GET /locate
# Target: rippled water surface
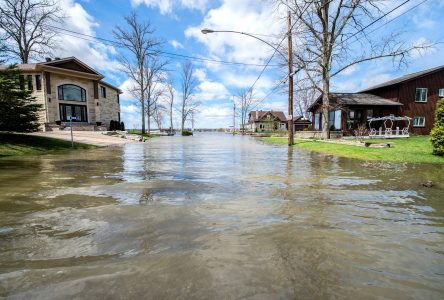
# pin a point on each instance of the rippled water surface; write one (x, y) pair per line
(216, 216)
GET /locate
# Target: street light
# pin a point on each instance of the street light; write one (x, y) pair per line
(289, 60)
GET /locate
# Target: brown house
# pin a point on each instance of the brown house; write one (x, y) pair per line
(414, 95)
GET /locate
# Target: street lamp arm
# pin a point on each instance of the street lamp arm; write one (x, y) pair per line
(206, 30)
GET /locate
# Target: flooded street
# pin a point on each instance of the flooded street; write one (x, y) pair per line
(218, 217)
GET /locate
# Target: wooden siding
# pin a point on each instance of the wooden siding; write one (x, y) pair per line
(405, 93)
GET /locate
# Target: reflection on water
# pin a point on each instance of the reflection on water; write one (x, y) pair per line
(216, 216)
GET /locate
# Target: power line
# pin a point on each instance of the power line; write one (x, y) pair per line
(162, 53)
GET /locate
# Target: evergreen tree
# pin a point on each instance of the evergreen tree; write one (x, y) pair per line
(437, 135)
(18, 109)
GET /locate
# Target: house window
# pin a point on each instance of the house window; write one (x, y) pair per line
(317, 121)
(22, 82)
(421, 95)
(70, 92)
(441, 93)
(118, 99)
(38, 82)
(102, 92)
(338, 119)
(418, 121)
(69, 110)
(29, 83)
(354, 119)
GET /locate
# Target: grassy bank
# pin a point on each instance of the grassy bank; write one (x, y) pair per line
(20, 144)
(145, 135)
(412, 150)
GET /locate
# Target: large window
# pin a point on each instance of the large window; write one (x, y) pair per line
(441, 93)
(77, 111)
(418, 121)
(29, 83)
(421, 95)
(70, 92)
(317, 121)
(354, 119)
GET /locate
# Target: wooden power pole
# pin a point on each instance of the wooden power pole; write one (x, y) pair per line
(290, 83)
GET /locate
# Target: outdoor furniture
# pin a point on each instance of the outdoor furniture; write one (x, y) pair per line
(387, 131)
(377, 145)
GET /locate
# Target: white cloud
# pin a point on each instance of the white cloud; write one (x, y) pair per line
(94, 53)
(176, 44)
(247, 16)
(167, 6)
(128, 108)
(209, 90)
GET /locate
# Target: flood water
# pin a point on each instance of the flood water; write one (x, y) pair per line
(218, 217)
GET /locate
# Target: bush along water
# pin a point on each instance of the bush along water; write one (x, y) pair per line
(437, 135)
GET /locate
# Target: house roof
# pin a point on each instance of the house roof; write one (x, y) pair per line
(355, 99)
(404, 78)
(257, 115)
(70, 64)
(300, 119)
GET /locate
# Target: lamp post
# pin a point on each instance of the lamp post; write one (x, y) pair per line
(288, 59)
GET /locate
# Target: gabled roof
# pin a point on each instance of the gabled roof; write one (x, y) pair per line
(356, 99)
(404, 78)
(258, 115)
(71, 63)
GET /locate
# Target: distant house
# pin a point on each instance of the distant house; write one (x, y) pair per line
(70, 88)
(414, 95)
(263, 121)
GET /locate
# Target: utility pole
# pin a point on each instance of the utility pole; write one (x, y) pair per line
(290, 82)
(234, 117)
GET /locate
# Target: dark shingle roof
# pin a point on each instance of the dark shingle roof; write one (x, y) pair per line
(354, 99)
(257, 115)
(403, 79)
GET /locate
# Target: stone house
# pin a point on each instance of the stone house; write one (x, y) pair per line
(70, 88)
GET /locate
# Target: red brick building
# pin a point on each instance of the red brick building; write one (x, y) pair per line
(414, 95)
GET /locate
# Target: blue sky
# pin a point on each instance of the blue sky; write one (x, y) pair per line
(178, 23)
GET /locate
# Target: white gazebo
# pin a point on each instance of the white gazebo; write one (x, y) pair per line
(386, 130)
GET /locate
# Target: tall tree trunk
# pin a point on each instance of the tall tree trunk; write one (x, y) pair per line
(171, 118)
(143, 113)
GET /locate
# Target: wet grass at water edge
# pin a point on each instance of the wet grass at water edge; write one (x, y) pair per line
(20, 144)
(145, 135)
(417, 149)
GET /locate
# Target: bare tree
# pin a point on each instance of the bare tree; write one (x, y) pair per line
(169, 99)
(159, 112)
(189, 84)
(244, 103)
(137, 39)
(26, 26)
(155, 78)
(327, 33)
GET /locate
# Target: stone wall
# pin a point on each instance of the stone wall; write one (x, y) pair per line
(316, 134)
(109, 107)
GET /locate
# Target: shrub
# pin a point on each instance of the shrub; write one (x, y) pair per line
(437, 134)
(187, 133)
(122, 126)
(112, 125)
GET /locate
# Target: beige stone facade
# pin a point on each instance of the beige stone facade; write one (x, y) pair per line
(100, 100)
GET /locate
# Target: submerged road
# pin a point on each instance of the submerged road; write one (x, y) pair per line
(218, 217)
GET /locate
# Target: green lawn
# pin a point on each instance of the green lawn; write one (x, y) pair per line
(20, 144)
(413, 150)
(145, 135)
